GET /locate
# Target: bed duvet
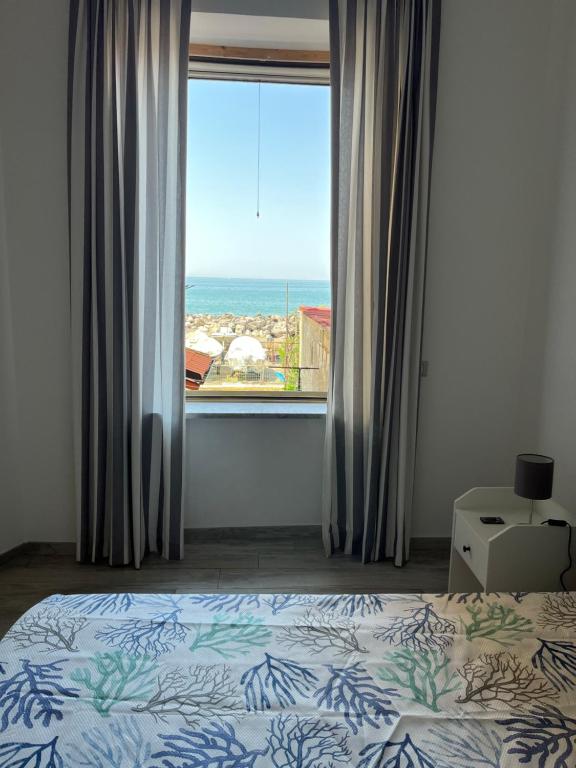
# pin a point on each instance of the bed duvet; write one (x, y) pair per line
(291, 681)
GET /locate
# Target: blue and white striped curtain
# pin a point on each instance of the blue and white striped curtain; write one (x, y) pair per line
(384, 56)
(127, 86)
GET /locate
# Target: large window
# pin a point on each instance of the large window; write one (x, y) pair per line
(257, 250)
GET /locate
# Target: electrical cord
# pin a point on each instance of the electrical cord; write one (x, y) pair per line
(563, 524)
(569, 566)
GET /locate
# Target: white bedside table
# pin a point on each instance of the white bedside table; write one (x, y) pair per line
(514, 557)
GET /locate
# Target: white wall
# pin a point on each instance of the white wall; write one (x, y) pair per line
(299, 9)
(494, 190)
(11, 526)
(557, 424)
(492, 216)
(36, 500)
(253, 471)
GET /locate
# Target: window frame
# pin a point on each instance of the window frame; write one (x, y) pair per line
(264, 66)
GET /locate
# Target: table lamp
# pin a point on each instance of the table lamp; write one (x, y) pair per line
(533, 480)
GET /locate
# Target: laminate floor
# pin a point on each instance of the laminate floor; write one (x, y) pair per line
(219, 560)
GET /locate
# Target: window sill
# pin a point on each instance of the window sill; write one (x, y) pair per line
(292, 410)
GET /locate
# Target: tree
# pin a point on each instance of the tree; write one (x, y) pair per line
(119, 745)
(47, 627)
(480, 597)
(21, 754)
(354, 605)
(305, 742)
(501, 679)
(89, 604)
(420, 629)
(559, 611)
(34, 694)
(556, 660)
(496, 622)
(463, 743)
(115, 677)
(146, 637)
(279, 603)
(323, 630)
(227, 603)
(395, 754)
(215, 746)
(195, 692)
(518, 596)
(276, 680)
(229, 639)
(543, 738)
(426, 674)
(461, 598)
(352, 691)
(289, 357)
(153, 636)
(164, 608)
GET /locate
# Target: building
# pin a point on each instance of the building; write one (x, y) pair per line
(314, 356)
(198, 365)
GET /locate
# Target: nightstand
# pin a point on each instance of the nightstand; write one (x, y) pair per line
(513, 557)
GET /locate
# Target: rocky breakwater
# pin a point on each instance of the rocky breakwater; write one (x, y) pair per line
(263, 327)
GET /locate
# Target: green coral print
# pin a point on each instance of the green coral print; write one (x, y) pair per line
(114, 677)
(231, 638)
(495, 622)
(425, 673)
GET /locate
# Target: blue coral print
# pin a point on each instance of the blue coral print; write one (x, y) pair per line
(291, 681)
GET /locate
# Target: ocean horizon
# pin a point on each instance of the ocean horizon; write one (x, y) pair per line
(249, 296)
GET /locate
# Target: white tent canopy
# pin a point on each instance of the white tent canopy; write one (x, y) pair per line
(244, 350)
(201, 342)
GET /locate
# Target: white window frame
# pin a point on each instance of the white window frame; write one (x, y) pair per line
(246, 71)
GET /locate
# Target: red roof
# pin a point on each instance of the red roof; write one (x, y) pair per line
(320, 315)
(197, 366)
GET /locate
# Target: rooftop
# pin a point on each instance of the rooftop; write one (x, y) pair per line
(320, 315)
(197, 366)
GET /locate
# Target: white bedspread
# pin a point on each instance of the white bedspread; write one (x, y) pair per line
(291, 681)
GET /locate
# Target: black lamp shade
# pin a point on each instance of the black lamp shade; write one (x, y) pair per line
(534, 475)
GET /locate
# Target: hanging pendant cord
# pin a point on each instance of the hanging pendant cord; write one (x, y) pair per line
(258, 156)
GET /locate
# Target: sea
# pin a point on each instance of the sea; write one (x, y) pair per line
(244, 296)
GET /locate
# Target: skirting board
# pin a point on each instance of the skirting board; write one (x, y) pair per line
(434, 544)
(40, 548)
(440, 545)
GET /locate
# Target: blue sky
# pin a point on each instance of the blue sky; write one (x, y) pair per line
(224, 237)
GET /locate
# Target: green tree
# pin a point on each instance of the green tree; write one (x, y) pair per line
(425, 673)
(289, 358)
(495, 622)
(113, 677)
(231, 638)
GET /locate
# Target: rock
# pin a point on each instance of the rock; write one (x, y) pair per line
(278, 329)
(265, 327)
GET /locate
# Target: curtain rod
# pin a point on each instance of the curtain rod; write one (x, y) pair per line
(284, 55)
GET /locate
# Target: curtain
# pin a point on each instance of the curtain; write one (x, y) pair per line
(384, 57)
(127, 85)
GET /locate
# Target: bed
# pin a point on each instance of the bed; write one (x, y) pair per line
(291, 681)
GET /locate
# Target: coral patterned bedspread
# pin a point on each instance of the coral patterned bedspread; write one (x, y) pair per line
(291, 681)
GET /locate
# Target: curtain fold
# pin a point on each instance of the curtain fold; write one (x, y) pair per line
(384, 60)
(127, 86)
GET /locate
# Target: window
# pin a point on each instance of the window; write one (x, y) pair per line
(257, 250)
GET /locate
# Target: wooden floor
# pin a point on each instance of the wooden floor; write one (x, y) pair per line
(219, 560)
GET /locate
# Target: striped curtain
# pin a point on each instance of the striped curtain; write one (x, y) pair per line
(127, 85)
(384, 72)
